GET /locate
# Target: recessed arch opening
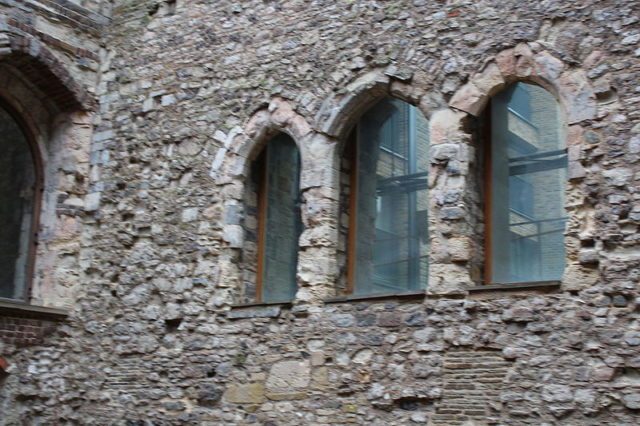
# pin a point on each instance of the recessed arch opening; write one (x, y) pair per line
(383, 238)
(272, 221)
(525, 172)
(21, 184)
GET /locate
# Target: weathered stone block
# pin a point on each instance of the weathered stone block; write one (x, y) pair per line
(287, 377)
(251, 393)
(254, 312)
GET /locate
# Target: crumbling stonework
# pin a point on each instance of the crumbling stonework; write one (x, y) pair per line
(167, 103)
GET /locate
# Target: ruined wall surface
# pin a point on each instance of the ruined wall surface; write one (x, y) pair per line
(50, 53)
(189, 91)
(49, 68)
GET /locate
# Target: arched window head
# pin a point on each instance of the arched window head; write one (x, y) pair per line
(388, 236)
(527, 168)
(277, 174)
(19, 192)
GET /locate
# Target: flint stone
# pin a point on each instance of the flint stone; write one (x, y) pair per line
(557, 393)
(343, 320)
(209, 395)
(632, 401)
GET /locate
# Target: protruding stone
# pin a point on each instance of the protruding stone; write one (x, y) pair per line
(579, 98)
(470, 99)
(490, 80)
(632, 401)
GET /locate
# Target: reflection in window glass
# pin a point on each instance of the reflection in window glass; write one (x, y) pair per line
(391, 226)
(528, 173)
(281, 216)
(17, 192)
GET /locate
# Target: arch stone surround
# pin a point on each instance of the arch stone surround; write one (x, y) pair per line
(577, 98)
(188, 93)
(40, 66)
(63, 139)
(455, 210)
(231, 169)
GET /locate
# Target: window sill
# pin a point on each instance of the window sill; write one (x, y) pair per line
(257, 310)
(414, 295)
(536, 287)
(21, 309)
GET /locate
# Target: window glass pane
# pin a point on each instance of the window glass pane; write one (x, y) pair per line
(17, 186)
(528, 169)
(283, 224)
(391, 230)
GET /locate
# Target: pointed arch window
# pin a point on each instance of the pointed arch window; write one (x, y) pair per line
(526, 165)
(20, 177)
(388, 236)
(277, 171)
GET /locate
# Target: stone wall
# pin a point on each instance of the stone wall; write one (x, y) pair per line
(49, 63)
(188, 94)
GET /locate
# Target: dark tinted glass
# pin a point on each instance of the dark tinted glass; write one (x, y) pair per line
(17, 187)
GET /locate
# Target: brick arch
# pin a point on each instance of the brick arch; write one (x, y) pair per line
(43, 70)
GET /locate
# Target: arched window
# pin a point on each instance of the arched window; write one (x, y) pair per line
(388, 235)
(19, 195)
(527, 167)
(277, 177)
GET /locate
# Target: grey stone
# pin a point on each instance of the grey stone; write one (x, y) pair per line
(632, 401)
(343, 320)
(452, 213)
(416, 319)
(254, 312)
(209, 395)
(620, 301)
(557, 393)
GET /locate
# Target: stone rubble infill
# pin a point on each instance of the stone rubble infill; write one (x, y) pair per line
(149, 124)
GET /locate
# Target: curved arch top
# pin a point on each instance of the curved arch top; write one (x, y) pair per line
(338, 113)
(571, 87)
(42, 69)
(242, 146)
